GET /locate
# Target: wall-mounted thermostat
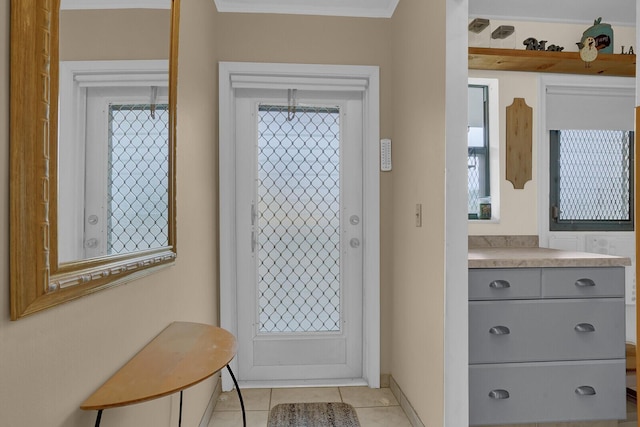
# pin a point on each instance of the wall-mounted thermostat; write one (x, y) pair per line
(385, 155)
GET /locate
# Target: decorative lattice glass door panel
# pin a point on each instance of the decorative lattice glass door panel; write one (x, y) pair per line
(125, 193)
(300, 296)
(138, 187)
(299, 220)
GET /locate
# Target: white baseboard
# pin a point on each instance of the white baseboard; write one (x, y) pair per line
(208, 413)
(414, 419)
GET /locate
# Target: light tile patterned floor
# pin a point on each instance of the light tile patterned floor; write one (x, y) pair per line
(375, 407)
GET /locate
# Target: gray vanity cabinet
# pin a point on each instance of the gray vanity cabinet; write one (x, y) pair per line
(546, 344)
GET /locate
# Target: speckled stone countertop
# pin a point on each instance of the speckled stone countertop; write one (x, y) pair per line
(510, 252)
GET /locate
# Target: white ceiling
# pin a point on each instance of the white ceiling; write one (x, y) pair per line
(617, 12)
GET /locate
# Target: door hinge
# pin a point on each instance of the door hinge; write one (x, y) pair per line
(253, 241)
(555, 213)
(253, 214)
(253, 225)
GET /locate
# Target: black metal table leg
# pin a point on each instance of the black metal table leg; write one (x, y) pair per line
(244, 416)
(180, 414)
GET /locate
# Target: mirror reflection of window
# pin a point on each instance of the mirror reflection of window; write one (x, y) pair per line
(73, 50)
(94, 195)
(137, 188)
(113, 196)
(136, 216)
(126, 182)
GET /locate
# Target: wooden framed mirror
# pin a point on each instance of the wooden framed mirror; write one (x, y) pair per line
(42, 274)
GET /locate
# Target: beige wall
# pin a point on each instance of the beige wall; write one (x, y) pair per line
(518, 208)
(412, 113)
(352, 41)
(419, 170)
(114, 34)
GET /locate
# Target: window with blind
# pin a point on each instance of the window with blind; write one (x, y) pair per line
(591, 176)
(589, 122)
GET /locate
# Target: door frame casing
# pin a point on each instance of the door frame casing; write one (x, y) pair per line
(322, 77)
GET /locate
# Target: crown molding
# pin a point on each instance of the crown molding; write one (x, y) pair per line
(352, 8)
(114, 4)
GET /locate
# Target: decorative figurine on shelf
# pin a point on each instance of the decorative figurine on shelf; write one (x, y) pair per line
(602, 34)
(555, 48)
(533, 44)
(588, 51)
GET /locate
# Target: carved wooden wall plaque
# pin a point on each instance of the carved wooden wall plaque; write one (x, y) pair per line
(519, 143)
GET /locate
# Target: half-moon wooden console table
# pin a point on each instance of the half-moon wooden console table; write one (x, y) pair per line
(182, 355)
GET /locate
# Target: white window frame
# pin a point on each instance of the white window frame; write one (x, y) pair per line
(494, 146)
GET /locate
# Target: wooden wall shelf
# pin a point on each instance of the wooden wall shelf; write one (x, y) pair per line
(550, 62)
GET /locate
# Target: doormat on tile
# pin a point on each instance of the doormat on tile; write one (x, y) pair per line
(332, 414)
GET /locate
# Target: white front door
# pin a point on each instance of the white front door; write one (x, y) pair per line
(345, 347)
(299, 234)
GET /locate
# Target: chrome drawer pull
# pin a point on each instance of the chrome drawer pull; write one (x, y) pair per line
(499, 330)
(585, 390)
(499, 394)
(585, 283)
(499, 284)
(584, 327)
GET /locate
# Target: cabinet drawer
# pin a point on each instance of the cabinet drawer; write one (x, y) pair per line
(504, 283)
(546, 330)
(583, 282)
(547, 392)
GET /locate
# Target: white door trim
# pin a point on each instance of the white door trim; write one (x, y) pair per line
(318, 76)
